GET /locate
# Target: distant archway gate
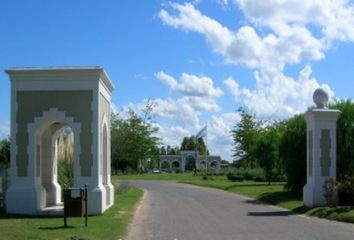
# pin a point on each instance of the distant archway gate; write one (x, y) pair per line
(44, 101)
(213, 162)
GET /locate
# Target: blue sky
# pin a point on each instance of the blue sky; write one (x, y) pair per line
(198, 60)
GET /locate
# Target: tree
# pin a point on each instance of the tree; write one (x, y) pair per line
(267, 150)
(5, 153)
(162, 151)
(244, 136)
(292, 151)
(188, 143)
(345, 138)
(133, 140)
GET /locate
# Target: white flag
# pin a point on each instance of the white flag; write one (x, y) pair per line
(202, 133)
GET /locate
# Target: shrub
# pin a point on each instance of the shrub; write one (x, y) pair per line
(346, 191)
(330, 188)
(234, 177)
(250, 173)
(259, 179)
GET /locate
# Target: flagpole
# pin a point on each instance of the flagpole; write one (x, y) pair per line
(206, 146)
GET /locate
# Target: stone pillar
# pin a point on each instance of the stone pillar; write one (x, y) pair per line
(321, 149)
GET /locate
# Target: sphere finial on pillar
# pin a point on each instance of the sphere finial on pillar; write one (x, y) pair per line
(320, 97)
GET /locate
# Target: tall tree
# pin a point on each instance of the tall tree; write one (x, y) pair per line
(189, 143)
(293, 152)
(4, 153)
(134, 140)
(244, 136)
(267, 146)
(345, 138)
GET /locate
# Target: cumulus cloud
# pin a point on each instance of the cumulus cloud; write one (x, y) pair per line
(334, 18)
(190, 85)
(5, 129)
(291, 44)
(219, 138)
(277, 33)
(279, 96)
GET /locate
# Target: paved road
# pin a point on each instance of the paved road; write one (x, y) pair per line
(172, 211)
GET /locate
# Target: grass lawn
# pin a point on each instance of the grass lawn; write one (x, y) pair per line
(343, 214)
(111, 225)
(272, 194)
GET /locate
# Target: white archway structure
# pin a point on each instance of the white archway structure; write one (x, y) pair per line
(44, 101)
(182, 158)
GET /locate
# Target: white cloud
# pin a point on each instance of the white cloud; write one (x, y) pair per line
(172, 135)
(291, 44)
(5, 129)
(219, 138)
(223, 3)
(334, 18)
(190, 85)
(279, 96)
(288, 37)
(190, 19)
(114, 108)
(233, 87)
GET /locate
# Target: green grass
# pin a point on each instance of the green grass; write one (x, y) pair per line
(343, 214)
(274, 193)
(111, 225)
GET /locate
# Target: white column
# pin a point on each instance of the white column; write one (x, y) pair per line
(321, 150)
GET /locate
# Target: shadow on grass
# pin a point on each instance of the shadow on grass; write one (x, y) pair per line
(59, 227)
(277, 198)
(240, 185)
(20, 216)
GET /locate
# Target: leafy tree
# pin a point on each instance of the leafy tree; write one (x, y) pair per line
(4, 153)
(293, 152)
(345, 138)
(267, 150)
(189, 143)
(162, 151)
(133, 141)
(244, 136)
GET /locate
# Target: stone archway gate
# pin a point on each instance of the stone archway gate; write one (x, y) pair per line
(43, 101)
(213, 162)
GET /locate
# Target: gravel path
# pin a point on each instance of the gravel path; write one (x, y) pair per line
(173, 211)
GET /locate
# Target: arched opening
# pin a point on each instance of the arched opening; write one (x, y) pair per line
(55, 159)
(165, 166)
(176, 167)
(202, 166)
(190, 163)
(213, 165)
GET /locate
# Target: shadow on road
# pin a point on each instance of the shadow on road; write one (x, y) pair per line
(271, 214)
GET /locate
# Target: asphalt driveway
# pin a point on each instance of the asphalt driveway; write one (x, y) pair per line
(173, 211)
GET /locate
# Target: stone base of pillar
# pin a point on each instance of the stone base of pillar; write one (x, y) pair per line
(314, 196)
(109, 194)
(25, 199)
